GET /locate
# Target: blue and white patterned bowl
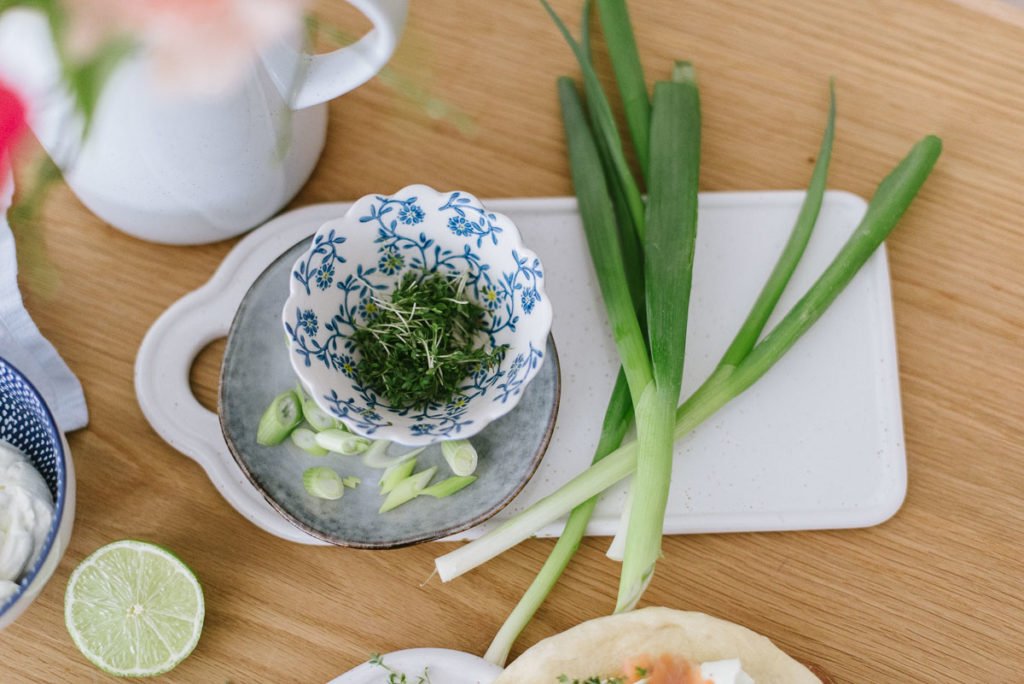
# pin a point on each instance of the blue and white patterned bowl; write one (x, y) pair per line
(27, 424)
(364, 254)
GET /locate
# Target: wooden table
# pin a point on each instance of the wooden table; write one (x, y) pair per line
(935, 594)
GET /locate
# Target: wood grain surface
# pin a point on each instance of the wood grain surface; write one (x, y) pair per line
(933, 595)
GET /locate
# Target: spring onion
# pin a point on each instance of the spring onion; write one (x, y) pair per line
(305, 439)
(629, 75)
(282, 416)
(460, 455)
(892, 198)
(446, 488)
(408, 489)
(341, 442)
(668, 267)
(319, 419)
(377, 455)
(323, 483)
(606, 133)
(617, 419)
(395, 474)
(776, 283)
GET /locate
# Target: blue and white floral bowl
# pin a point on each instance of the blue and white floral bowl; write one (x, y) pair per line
(363, 255)
(27, 424)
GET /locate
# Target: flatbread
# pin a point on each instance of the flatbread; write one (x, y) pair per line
(599, 648)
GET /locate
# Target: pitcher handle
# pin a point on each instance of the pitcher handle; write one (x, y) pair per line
(335, 73)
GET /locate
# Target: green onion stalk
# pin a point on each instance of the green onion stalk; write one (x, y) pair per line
(629, 75)
(890, 201)
(668, 268)
(777, 281)
(625, 61)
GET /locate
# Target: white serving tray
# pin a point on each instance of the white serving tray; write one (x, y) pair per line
(817, 443)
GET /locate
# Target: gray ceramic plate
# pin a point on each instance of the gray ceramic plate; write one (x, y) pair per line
(256, 369)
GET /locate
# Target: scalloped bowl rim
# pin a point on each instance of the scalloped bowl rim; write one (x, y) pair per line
(481, 414)
(53, 532)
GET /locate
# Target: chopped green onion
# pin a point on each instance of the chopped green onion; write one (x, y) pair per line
(378, 449)
(461, 456)
(323, 483)
(316, 416)
(446, 488)
(408, 489)
(282, 416)
(341, 442)
(377, 455)
(395, 474)
(351, 481)
(305, 439)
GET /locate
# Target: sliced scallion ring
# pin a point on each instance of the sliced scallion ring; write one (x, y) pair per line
(341, 442)
(461, 456)
(323, 483)
(395, 474)
(316, 416)
(377, 455)
(408, 489)
(446, 488)
(305, 439)
(282, 416)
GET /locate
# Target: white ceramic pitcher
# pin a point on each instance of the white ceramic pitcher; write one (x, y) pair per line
(195, 170)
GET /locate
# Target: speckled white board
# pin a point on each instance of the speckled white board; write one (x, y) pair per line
(817, 443)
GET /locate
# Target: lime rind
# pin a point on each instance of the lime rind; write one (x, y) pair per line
(134, 609)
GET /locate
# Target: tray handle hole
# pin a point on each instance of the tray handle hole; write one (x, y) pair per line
(204, 376)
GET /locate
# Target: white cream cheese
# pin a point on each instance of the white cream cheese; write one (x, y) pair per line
(725, 672)
(722, 672)
(26, 510)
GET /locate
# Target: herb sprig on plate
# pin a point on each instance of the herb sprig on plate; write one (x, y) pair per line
(424, 341)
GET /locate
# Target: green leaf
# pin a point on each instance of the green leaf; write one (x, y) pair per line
(671, 226)
(891, 200)
(607, 134)
(599, 225)
(629, 75)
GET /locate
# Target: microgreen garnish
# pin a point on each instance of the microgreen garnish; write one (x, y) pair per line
(423, 342)
(396, 677)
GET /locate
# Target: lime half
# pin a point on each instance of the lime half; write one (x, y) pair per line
(134, 609)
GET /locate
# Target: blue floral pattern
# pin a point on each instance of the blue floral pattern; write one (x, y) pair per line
(319, 262)
(450, 233)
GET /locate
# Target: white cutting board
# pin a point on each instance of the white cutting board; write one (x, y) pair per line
(816, 443)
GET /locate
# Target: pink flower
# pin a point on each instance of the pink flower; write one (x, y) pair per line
(194, 46)
(12, 127)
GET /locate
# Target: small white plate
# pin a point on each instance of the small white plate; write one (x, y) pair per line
(817, 443)
(445, 667)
